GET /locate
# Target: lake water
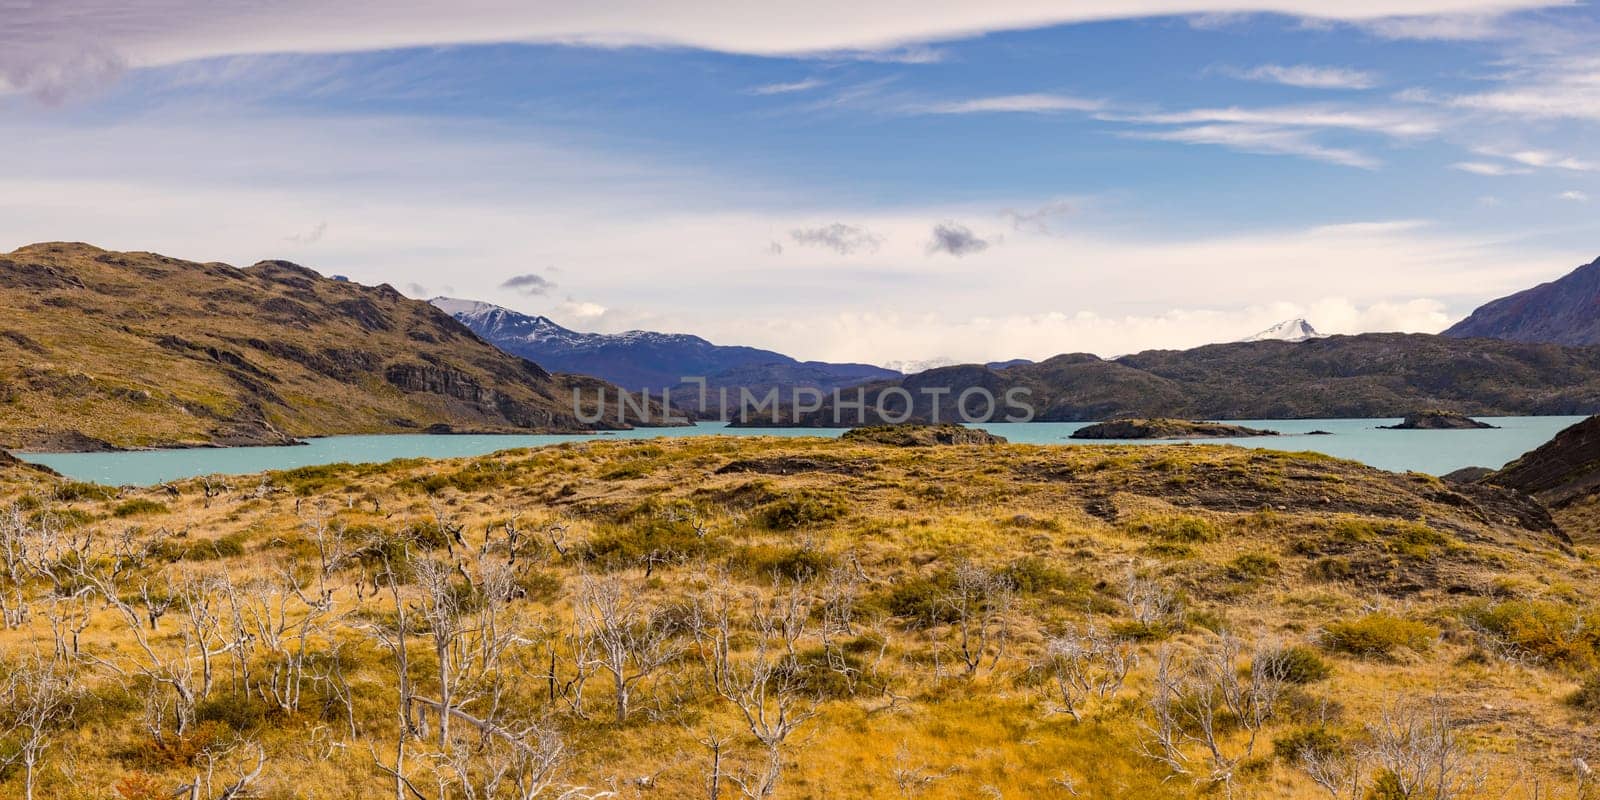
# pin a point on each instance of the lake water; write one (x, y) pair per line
(1435, 452)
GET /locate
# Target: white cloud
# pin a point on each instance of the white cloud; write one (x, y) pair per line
(1011, 103)
(47, 46)
(1309, 77)
(616, 226)
(787, 88)
(1487, 168)
(1574, 195)
(1262, 139)
(1397, 123)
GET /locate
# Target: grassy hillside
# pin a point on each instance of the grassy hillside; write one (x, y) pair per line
(135, 349)
(797, 618)
(1371, 375)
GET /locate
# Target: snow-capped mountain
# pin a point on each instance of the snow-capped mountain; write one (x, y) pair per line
(1292, 330)
(638, 360)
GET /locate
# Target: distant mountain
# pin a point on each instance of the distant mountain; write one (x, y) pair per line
(1293, 330)
(639, 360)
(101, 349)
(1564, 311)
(1371, 375)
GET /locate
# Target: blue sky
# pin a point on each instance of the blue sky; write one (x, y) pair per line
(832, 182)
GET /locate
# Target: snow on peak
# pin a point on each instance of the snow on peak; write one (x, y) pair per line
(1292, 330)
(456, 307)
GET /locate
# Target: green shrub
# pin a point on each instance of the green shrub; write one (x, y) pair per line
(1181, 528)
(659, 537)
(793, 563)
(1331, 569)
(1588, 695)
(78, 490)
(239, 711)
(1252, 567)
(1033, 575)
(921, 599)
(1291, 746)
(138, 506)
(1298, 664)
(800, 511)
(1379, 634)
(1548, 632)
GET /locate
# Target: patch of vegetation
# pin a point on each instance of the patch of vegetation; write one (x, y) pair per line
(137, 507)
(183, 549)
(792, 563)
(1252, 567)
(1588, 695)
(74, 491)
(1551, 633)
(1317, 741)
(1179, 528)
(1379, 634)
(801, 510)
(1298, 664)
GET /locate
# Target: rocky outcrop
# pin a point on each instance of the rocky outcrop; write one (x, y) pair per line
(920, 435)
(1560, 471)
(1437, 420)
(1164, 428)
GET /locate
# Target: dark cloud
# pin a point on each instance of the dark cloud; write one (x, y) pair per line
(839, 237)
(957, 240)
(1044, 219)
(530, 284)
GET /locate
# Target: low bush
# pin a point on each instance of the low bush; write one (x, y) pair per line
(1296, 744)
(1298, 664)
(799, 511)
(1378, 634)
(138, 506)
(793, 563)
(1181, 528)
(1588, 695)
(1551, 633)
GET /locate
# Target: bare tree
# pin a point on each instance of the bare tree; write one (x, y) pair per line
(771, 695)
(1414, 745)
(629, 643)
(1086, 663)
(1149, 602)
(979, 601)
(1197, 703)
(35, 698)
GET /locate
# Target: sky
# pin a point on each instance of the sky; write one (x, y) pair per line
(878, 182)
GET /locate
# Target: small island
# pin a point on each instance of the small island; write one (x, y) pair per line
(1162, 428)
(1437, 420)
(920, 435)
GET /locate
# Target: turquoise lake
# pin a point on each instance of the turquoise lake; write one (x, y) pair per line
(1435, 452)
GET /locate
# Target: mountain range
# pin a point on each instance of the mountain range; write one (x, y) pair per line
(645, 360)
(1370, 375)
(1563, 311)
(103, 349)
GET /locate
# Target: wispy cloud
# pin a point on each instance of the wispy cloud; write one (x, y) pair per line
(1398, 123)
(786, 88)
(1264, 140)
(839, 237)
(1307, 77)
(1488, 168)
(1011, 104)
(1574, 195)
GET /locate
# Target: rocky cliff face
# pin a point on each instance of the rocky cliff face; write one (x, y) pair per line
(1560, 471)
(1565, 311)
(99, 349)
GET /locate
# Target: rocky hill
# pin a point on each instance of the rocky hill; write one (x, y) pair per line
(1564, 311)
(1371, 375)
(639, 360)
(102, 349)
(1564, 474)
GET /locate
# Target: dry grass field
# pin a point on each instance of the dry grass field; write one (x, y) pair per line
(796, 618)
